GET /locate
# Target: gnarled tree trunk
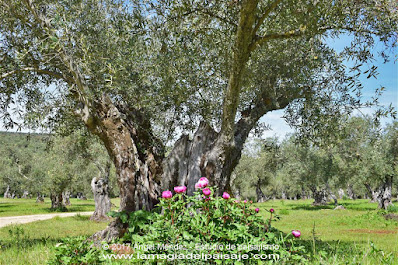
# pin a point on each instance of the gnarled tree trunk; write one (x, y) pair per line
(57, 200)
(320, 196)
(350, 192)
(341, 193)
(260, 194)
(100, 188)
(66, 198)
(372, 193)
(7, 194)
(25, 194)
(384, 193)
(39, 198)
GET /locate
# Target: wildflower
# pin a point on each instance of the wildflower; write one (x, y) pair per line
(271, 210)
(180, 189)
(167, 194)
(257, 210)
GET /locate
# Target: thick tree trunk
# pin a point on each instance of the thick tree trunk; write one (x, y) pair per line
(260, 194)
(372, 193)
(66, 198)
(136, 154)
(331, 194)
(7, 194)
(81, 196)
(341, 193)
(39, 198)
(25, 194)
(350, 192)
(100, 188)
(384, 193)
(57, 201)
(320, 196)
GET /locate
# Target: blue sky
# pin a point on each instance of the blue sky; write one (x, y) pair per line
(387, 77)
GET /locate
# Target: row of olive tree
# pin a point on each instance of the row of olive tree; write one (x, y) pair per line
(53, 166)
(362, 159)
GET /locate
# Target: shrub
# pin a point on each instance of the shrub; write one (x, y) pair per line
(204, 224)
(219, 230)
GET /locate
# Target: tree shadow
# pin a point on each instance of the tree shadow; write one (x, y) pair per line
(313, 207)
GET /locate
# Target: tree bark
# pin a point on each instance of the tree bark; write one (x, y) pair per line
(25, 194)
(384, 193)
(260, 194)
(341, 193)
(57, 201)
(100, 188)
(66, 198)
(372, 193)
(350, 192)
(39, 198)
(7, 194)
(320, 196)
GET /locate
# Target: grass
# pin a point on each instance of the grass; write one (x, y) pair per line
(333, 236)
(32, 243)
(16, 207)
(359, 225)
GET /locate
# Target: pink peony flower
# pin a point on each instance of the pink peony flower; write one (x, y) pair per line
(226, 196)
(296, 233)
(257, 210)
(203, 182)
(271, 210)
(167, 194)
(180, 189)
(206, 191)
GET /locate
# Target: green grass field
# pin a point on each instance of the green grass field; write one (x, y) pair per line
(359, 225)
(16, 207)
(345, 235)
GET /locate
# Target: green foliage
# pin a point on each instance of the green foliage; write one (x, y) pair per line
(364, 153)
(208, 222)
(77, 250)
(46, 163)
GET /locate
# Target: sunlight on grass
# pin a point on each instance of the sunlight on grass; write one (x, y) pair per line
(360, 223)
(32, 243)
(16, 207)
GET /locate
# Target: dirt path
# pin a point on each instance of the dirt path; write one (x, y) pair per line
(4, 221)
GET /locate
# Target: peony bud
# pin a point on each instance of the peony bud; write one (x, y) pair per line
(296, 233)
(180, 189)
(167, 194)
(226, 196)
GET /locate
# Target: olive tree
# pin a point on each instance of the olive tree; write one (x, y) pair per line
(136, 72)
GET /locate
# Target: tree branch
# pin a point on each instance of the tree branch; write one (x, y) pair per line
(263, 104)
(267, 11)
(39, 71)
(303, 31)
(241, 54)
